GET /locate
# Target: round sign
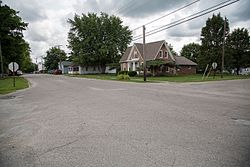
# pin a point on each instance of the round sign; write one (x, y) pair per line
(13, 66)
(214, 65)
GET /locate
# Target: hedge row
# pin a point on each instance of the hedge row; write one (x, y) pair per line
(129, 73)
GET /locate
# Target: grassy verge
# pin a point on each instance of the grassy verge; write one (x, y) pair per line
(112, 77)
(198, 78)
(184, 78)
(6, 84)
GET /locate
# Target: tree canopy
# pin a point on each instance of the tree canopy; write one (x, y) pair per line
(212, 40)
(97, 40)
(14, 47)
(238, 45)
(53, 56)
(191, 51)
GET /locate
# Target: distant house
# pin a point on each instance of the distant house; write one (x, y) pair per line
(64, 66)
(68, 67)
(242, 71)
(159, 58)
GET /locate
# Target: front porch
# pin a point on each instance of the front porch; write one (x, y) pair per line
(133, 64)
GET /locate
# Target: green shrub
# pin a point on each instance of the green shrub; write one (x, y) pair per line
(126, 77)
(120, 77)
(123, 77)
(132, 73)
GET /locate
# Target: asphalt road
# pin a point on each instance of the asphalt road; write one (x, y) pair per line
(62, 121)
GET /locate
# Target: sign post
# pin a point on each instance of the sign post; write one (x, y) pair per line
(13, 66)
(214, 65)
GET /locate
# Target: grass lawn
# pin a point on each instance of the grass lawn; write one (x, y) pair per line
(6, 84)
(184, 78)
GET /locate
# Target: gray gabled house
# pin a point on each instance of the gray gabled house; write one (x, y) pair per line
(159, 51)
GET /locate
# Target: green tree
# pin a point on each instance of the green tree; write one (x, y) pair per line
(191, 51)
(238, 44)
(14, 47)
(212, 40)
(53, 57)
(97, 40)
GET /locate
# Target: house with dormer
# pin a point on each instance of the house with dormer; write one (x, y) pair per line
(159, 60)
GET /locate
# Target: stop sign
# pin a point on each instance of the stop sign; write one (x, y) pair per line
(13, 66)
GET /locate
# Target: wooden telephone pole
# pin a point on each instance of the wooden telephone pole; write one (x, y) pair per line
(144, 55)
(223, 49)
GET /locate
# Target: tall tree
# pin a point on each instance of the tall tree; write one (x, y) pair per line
(97, 40)
(53, 57)
(212, 40)
(238, 43)
(14, 47)
(191, 51)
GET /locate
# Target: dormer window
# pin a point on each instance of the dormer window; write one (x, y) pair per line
(166, 54)
(161, 54)
(135, 54)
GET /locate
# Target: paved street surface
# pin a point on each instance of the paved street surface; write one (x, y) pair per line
(62, 121)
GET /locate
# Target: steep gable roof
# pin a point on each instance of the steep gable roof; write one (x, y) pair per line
(126, 54)
(181, 60)
(151, 50)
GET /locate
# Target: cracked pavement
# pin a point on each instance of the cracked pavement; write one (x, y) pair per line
(63, 121)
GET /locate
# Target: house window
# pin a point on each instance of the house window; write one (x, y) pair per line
(135, 54)
(166, 54)
(167, 69)
(75, 69)
(94, 68)
(160, 54)
(189, 67)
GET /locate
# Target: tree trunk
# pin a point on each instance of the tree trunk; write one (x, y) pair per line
(237, 70)
(102, 69)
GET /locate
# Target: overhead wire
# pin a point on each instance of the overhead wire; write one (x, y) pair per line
(124, 7)
(188, 18)
(168, 14)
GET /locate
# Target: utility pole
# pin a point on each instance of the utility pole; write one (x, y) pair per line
(1, 57)
(35, 64)
(42, 63)
(144, 55)
(223, 49)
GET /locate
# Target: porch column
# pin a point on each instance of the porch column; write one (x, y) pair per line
(80, 70)
(128, 66)
(133, 66)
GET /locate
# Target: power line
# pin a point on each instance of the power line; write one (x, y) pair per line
(124, 7)
(185, 17)
(183, 20)
(136, 6)
(177, 10)
(192, 15)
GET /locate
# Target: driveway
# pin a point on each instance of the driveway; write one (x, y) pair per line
(63, 121)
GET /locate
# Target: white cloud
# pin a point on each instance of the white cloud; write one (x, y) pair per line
(48, 19)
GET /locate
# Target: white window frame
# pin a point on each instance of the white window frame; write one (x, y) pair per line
(135, 54)
(166, 54)
(161, 54)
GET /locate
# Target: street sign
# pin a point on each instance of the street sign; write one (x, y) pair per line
(214, 65)
(13, 66)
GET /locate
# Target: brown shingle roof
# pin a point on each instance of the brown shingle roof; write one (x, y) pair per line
(181, 60)
(126, 54)
(152, 49)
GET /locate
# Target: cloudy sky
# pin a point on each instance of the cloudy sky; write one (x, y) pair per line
(48, 19)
